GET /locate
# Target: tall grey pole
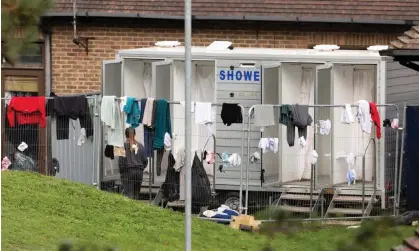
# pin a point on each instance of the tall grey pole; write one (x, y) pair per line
(188, 129)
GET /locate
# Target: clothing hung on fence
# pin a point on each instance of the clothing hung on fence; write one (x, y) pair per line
(66, 108)
(364, 116)
(163, 123)
(386, 123)
(375, 116)
(109, 151)
(263, 116)
(231, 114)
(269, 144)
(148, 113)
(133, 112)
(325, 126)
(347, 117)
(170, 186)
(203, 113)
(234, 160)
(27, 111)
(112, 118)
(295, 116)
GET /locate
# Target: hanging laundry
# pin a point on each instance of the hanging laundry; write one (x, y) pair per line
(159, 159)
(386, 123)
(27, 111)
(122, 103)
(269, 144)
(5, 163)
(375, 116)
(170, 186)
(109, 151)
(364, 116)
(395, 124)
(351, 176)
(295, 116)
(263, 116)
(82, 137)
(235, 160)
(148, 113)
(148, 141)
(315, 156)
(350, 159)
(167, 142)
(255, 157)
(119, 151)
(112, 118)
(66, 108)
(142, 109)
(153, 114)
(325, 126)
(132, 109)
(163, 123)
(303, 142)
(224, 158)
(210, 158)
(203, 113)
(22, 147)
(180, 159)
(231, 114)
(347, 117)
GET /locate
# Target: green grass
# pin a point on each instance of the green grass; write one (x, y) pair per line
(39, 212)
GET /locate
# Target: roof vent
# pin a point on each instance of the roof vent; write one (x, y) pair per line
(377, 47)
(220, 46)
(326, 47)
(167, 44)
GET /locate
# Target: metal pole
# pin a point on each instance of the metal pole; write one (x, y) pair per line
(188, 129)
(401, 154)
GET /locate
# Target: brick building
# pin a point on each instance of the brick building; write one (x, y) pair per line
(114, 25)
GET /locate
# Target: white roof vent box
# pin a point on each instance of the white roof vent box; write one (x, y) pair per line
(167, 44)
(326, 47)
(377, 47)
(220, 46)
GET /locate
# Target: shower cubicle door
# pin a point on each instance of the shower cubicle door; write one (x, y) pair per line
(323, 144)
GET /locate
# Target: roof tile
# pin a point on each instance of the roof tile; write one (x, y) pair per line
(356, 9)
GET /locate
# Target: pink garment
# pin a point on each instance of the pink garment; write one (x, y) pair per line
(210, 159)
(5, 163)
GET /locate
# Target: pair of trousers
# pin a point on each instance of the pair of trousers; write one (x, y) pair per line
(131, 182)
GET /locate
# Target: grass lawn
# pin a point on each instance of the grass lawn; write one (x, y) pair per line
(39, 212)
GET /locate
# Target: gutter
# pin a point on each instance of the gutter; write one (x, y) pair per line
(233, 18)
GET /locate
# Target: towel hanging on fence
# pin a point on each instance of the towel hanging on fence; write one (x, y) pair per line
(364, 116)
(112, 118)
(263, 116)
(132, 109)
(27, 111)
(203, 113)
(347, 117)
(325, 126)
(375, 116)
(231, 114)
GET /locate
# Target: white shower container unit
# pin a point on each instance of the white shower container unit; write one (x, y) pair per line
(251, 76)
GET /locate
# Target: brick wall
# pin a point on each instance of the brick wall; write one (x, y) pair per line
(75, 72)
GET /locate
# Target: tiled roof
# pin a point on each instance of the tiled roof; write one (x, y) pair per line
(409, 40)
(409, 244)
(347, 10)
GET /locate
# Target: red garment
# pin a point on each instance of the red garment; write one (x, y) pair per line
(375, 116)
(27, 110)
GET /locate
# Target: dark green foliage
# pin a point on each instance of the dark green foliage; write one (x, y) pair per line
(20, 24)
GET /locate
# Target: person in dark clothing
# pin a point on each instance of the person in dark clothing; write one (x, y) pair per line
(132, 165)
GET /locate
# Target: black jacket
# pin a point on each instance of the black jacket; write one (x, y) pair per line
(66, 108)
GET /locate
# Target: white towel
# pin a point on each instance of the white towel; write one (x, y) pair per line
(167, 142)
(347, 117)
(203, 113)
(122, 103)
(364, 116)
(112, 118)
(315, 156)
(235, 160)
(263, 116)
(148, 112)
(325, 126)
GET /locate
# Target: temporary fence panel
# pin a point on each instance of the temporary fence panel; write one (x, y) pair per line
(76, 158)
(237, 82)
(60, 145)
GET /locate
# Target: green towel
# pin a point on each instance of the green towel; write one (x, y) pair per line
(163, 123)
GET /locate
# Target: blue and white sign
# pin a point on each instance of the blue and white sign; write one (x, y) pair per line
(239, 75)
